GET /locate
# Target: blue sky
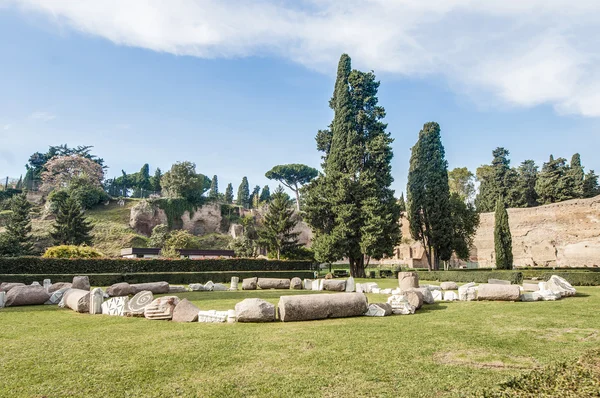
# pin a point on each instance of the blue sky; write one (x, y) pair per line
(239, 88)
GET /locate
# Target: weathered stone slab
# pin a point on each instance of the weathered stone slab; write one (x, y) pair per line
(307, 284)
(47, 283)
(231, 316)
(368, 287)
(315, 284)
(177, 289)
(449, 295)
(219, 287)
(154, 287)
(161, 308)
(408, 280)
(138, 303)
(334, 285)
(81, 283)
(26, 295)
(120, 289)
(6, 286)
(350, 285)
(296, 283)
(96, 300)
(448, 286)
(400, 305)
(273, 283)
(208, 286)
(467, 292)
(59, 286)
(196, 287)
(548, 295)
(379, 309)
(321, 306)
(531, 286)
(77, 299)
(414, 298)
(116, 306)
(185, 311)
(57, 296)
(437, 295)
(532, 296)
(427, 295)
(498, 292)
(254, 310)
(233, 285)
(498, 282)
(212, 316)
(249, 283)
(560, 285)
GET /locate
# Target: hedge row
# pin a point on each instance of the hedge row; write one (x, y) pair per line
(171, 277)
(575, 278)
(38, 265)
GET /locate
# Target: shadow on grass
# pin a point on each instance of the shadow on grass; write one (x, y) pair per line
(431, 307)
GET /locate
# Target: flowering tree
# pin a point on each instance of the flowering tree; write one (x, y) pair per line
(60, 170)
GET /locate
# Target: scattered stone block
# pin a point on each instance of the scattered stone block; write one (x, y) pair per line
(334, 285)
(375, 290)
(116, 306)
(2, 299)
(307, 284)
(6, 286)
(219, 287)
(138, 303)
(273, 283)
(532, 296)
(212, 316)
(249, 284)
(47, 283)
(350, 285)
(432, 287)
(77, 299)
(59, 286)
(185, 311)
(320, 285)
(560, 285)
(531, 286)
(233, 285)
(120, 289)
(400, 305)
(379, 309)
(231, 316)
(154, 287)
(177, 289)
(414, 298)
(196, 287)
(467, 292)
(81, 283)
(254, 310)
(408, 280)
(498, 282)
(26, 295)
(321, 306)
(449, 295)
(96, 300)
(385, 291)
(498, 292)
(427, 295)
(161, 308)
(359, 288)
(208, 286)
(56, 296)
(437, 295)
(368, 287)
(448, 286)
(548, 295)
(296, 284)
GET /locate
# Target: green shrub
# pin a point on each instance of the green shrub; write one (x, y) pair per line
(72, 251)
(171, 277)
(40, 265)
(466, 276)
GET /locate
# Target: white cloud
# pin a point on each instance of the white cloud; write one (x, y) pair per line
(524, 53)
(43, 116)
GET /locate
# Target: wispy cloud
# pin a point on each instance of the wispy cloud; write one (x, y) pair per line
(523, 53)
(7, 126)
(43, 116)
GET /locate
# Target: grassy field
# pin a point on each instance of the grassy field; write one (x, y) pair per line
(444, 350)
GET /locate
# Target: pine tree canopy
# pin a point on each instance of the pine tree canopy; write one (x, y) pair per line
(71, 227)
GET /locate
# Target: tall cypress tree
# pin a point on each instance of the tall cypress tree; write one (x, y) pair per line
(278, 224)
(590, 185)
(243, 194)
(17, 240)
(577, 175)
(71, 227)
(265, 194)
(402, 202)
(229, 194)
(155, 180)
(214, 188)
(428, 196)
(502, 237)
(351, 207)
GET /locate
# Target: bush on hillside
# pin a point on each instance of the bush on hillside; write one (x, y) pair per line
(72, 251)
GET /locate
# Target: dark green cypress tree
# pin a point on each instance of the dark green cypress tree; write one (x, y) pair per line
(265, 194)
(214, 188)
(554, 183)
(71, 226)
(577, 176)
(402, 202)
(28, 181)
(229, 194)
(502, 237)
(155, 181)
(278, 224)
(17, 240)
(590, 185)
(527, 178)
(497, 180)
(428, 196)
(351, 207)
(243, 194)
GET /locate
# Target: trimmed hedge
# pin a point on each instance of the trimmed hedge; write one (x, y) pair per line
(466, 276)
(38, 265)
(171, 277)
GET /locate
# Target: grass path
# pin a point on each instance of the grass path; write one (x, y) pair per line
(443, 350)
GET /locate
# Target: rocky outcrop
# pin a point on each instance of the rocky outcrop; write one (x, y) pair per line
(204, 220)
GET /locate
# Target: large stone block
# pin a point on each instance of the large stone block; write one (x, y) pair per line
(400, 305)
(212, 316)
(26, 295)
(120, 289)
(334, 285)
(161, 308)
(96, 300)
(81, 283)
(350, 285)
(467, 292)
(249, 284)
(414, 298)
(296, 284)
(154, 287)
(233, 285)
(449, 286)
(273, 283)
(77, 299)
(498, 282)
(494, 292)
(139, 302)
(379, 309)
(56, 296)
(307, 284)
(6, 286)
(408, 280)
(185, 311)
(177, 289)
(116, 306)
(254, 310)
(59, 286)
(427, 295)
(560, 285)
(321, 306)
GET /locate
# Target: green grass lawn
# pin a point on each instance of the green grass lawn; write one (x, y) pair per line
(445, 349)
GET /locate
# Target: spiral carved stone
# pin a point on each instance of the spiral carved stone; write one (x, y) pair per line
(138, 303)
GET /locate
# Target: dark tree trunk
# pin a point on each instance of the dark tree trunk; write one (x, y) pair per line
(357, 267)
